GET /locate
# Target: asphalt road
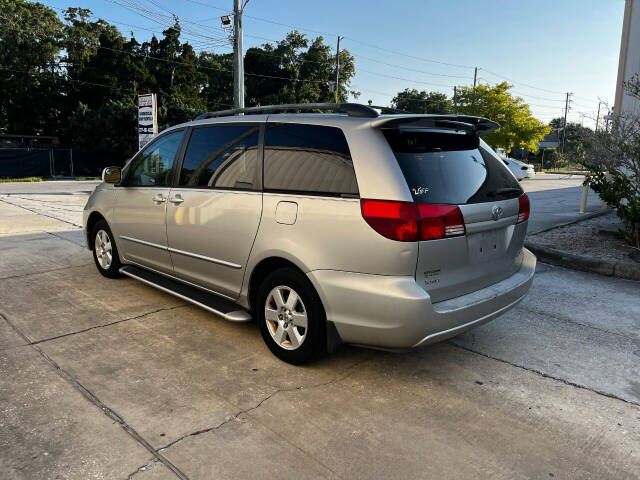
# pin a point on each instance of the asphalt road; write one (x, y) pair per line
(113, 379)
(555, 199)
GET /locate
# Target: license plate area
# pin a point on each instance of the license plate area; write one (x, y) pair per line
(487, 245)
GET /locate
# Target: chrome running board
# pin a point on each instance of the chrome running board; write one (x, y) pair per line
(209, 301)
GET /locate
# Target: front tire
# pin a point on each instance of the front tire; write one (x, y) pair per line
(105, 252)
(291, 317)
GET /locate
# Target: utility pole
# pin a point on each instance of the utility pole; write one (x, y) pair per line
(564, 128)
(475, 78)
(337, 86)
(238, 58)
(600, 102)
(455, 99)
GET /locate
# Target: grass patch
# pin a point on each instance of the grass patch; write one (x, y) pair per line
(23, 179)
(565, 171)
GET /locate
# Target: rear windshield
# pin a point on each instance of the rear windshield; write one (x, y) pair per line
(451, 168)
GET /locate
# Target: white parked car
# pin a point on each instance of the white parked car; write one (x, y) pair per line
(520, 169)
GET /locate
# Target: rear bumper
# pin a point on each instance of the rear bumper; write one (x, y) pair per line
(396, 313)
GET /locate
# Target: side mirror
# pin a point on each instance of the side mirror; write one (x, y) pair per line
(112, 175)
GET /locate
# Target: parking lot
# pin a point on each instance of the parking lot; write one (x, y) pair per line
(114, 379)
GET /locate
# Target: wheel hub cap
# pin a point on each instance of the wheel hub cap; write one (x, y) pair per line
(286, 317)
(103, 249)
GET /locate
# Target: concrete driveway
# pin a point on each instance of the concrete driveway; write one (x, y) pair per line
(112, 379)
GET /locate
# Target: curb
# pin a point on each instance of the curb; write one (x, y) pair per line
(585, 216)
(584, 263)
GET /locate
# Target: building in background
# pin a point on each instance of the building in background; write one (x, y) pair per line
(629, 63)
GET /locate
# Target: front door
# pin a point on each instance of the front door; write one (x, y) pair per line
(141, 204)
(214, 211)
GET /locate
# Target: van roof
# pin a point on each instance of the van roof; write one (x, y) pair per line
(350, 113)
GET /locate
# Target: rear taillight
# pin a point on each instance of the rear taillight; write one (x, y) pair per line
(411, 222)
(523, 208)
(394, 220)
(440, 221)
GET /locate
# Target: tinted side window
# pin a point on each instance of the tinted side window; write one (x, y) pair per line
(153, 166)
(221, 156)
(308, 159)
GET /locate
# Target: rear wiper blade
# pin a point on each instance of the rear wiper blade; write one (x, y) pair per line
(503, 191)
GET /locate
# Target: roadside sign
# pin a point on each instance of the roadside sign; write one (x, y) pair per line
(147, 118)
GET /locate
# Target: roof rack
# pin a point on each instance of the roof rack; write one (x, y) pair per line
(351, 109)
(389, 109)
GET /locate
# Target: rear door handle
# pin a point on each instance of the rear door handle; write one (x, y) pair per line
(159, 198)
(177, 199)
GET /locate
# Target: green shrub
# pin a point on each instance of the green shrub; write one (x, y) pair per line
(617, 190)
(23, 179)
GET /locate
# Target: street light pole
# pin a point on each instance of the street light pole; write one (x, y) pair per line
(238, 58)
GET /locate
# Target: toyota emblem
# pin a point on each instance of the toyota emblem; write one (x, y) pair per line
(496, 212)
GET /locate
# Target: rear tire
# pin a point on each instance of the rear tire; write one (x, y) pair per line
(105, 252)
(291, 317)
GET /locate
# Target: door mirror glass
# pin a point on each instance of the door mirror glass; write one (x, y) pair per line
(112, 175)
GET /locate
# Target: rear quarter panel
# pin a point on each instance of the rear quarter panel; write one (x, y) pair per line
(328, 234)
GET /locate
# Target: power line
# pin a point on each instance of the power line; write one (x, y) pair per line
(199, 41)
(523, 84)
(161, 19)
(517, 82)
(124, 89)
(273, 22)
(222, 69)
(405, 79)
(357, 55)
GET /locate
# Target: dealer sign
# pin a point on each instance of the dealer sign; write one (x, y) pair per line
(147, 118)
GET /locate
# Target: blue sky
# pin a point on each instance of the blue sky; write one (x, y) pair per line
(544, 47)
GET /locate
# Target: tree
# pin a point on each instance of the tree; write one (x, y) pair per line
(295, 70)
(415, 101)
(30, 45)
(115, 123)
(614, 166)
(78, 77)
(518, 127)
(578, 141)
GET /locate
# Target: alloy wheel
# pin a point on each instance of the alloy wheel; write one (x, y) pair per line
(286, 317)
(103, 249)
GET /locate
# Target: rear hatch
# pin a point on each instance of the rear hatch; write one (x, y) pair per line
(450, 166)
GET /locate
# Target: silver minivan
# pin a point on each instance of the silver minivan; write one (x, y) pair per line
(389, 231)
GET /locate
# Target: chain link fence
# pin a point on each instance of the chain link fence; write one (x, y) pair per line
(50, 163)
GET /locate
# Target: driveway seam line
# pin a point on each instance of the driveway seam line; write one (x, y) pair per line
(92, 398)
(255, 407)
(43, 272)
(546, 375)
(142, 315)
(566, 320)
(39, 213)
(63, 238)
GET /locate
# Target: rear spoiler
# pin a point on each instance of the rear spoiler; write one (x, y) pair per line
(465, 123)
